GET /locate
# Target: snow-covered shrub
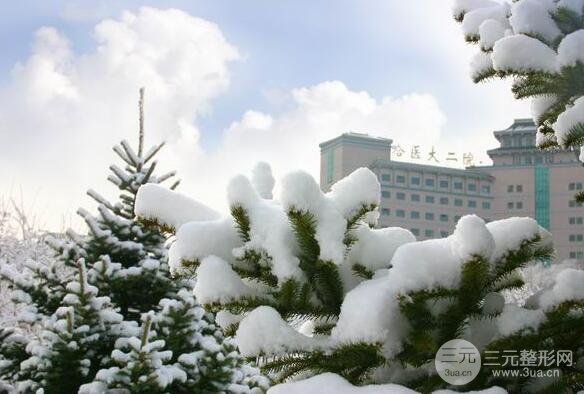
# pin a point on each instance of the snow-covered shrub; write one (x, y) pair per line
(310, 286)
(540, 44)
(23, 251)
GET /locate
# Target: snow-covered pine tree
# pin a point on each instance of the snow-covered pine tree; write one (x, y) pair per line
(142, 366)
(310, 287)
(127, 263)
(200, 349)
(70, 348)
(540, 44)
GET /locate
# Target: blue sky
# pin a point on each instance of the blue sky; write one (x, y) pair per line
(385, 48)
(285, 43)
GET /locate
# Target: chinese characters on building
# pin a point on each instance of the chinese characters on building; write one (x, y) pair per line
(416, 152)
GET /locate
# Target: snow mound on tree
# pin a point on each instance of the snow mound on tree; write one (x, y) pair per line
(532, 17)
(275, 335)
(571, 49)
(522, 53)
(330, 383)
(196, 240)
(269, 228)
(169, 207)
(374, 248)
(263, 180)
(370, 312)
(569, 286)
(568, 119)
(217, 282)
(301, 193)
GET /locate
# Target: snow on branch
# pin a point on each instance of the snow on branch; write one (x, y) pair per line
(169, 208)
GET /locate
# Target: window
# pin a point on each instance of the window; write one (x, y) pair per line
(472, 187)
(429, 233)
(519, 188)
(458, 185)
(579, 220)
(572, 237)
(415, 231)
(430, 199)
(415, 197)
(572, 255)
(575, 204)
(400, 179)
(472, 204)
(384, 211)
(429, 216)
(458, 202)
(519, 205)
(444, 184)
(510, 189)
(486, 189)
(400, 196)
(510, 205)
(579, 237)
(572, 220)
(385, 178)
(444, 234)
(385, 194)
(486, 205)
(415, 215)
(415, 180)
(400, 213)
(579, 186)
(443, 218)
(457, 218)
(429, 182)
(444, 200)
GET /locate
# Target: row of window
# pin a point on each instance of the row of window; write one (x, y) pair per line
(514, 188)
(429, 199)
(577, 255)
(574, 204)
(428, 233)
(430, 182)
(515, 205)
(576, 220)
(517, 141)
(576, 237)
(401, 213)
(575, 186)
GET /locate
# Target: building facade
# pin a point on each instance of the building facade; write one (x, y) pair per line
(429, 200)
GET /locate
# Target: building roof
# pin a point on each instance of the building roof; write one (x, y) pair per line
(519, 126)
(358, 138)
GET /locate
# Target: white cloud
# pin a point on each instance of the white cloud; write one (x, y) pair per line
(290, 140)
(64, 111)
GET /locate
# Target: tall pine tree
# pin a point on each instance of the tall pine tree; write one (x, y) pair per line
(127, 265)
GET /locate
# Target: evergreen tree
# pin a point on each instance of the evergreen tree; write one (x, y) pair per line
(68, 352)
(310, 287)
(537, 43)
(142, 366)
(200, 350)
(127, 263)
